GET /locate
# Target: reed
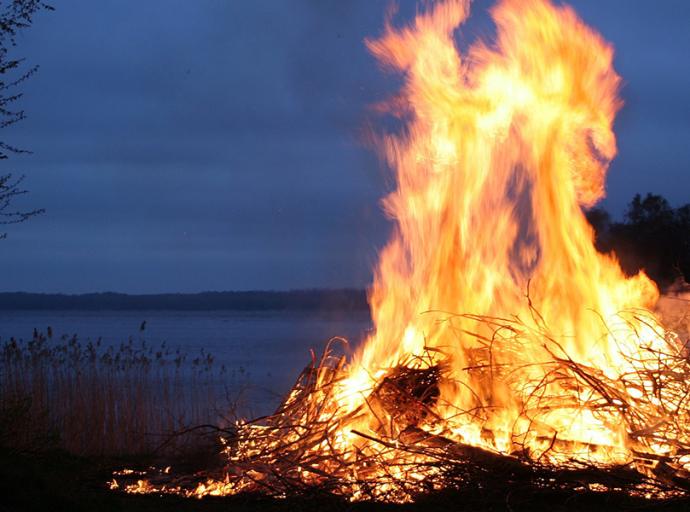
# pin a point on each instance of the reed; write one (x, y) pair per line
(87, 399)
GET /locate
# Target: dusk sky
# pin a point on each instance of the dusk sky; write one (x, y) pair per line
(194, 145)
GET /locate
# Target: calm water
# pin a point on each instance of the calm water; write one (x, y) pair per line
(265, 349)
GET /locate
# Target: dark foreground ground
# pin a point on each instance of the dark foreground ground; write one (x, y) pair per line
(54, 481)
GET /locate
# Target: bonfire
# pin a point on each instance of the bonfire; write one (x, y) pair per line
(506, 350)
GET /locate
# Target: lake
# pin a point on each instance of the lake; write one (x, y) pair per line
(265, 349)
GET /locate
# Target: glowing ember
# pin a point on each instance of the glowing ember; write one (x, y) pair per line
(502, 336)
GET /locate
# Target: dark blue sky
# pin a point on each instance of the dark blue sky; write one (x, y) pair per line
(183, 146)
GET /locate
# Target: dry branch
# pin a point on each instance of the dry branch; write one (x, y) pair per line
(409, 449)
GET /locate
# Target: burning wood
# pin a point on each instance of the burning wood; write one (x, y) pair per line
(413, 450)
(574, 385)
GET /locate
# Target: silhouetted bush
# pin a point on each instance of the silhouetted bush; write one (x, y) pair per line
(653, 237)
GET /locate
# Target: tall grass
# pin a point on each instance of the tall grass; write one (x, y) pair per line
(92, 400)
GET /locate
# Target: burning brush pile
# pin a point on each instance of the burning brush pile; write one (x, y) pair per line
(396, 445)
(508, 353)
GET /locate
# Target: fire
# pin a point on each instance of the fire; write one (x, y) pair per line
(501, 334)
(503, 147)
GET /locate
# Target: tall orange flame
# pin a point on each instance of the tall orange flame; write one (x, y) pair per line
(502, 148)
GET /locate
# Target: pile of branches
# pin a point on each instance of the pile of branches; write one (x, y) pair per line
(408, 451)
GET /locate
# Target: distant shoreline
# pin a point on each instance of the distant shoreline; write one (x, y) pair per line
(346, 299)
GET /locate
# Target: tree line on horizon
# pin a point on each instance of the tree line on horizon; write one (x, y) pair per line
(339, 299)
(653, 236)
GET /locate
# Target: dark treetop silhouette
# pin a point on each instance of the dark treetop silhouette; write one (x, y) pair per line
(16, 16)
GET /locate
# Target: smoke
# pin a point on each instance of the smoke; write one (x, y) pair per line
(673, 309)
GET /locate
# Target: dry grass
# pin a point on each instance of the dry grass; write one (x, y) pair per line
(92, 400)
